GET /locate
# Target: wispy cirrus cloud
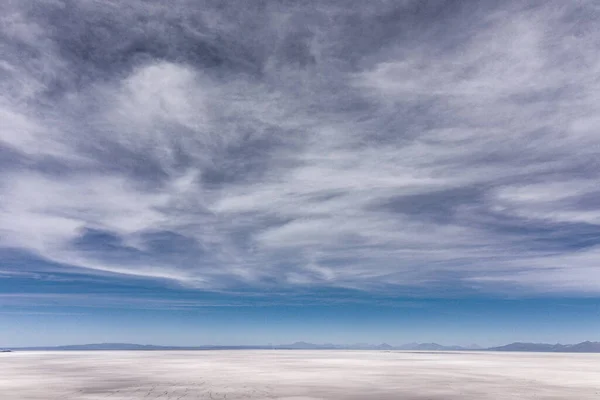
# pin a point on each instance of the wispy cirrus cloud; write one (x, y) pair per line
(282, 145)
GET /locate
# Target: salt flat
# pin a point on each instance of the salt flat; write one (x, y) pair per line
(297, 375)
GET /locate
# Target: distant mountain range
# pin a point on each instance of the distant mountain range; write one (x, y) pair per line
(132, 346)
(382, 346)
(584, 347)
(292, 346)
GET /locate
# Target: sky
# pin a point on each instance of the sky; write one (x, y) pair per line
(209, 172)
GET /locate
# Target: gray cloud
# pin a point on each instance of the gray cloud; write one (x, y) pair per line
(387, 144)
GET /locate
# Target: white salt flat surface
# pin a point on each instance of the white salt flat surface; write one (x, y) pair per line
(297, 375)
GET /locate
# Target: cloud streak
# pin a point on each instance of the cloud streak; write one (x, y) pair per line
(383, 146)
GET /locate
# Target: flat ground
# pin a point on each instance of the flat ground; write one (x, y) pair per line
(299, 375)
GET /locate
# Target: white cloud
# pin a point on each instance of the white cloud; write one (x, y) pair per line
(401, 166)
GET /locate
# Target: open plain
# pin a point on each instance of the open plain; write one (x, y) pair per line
(297, 375)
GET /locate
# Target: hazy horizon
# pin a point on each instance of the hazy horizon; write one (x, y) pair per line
(236, 325)
(266, 346)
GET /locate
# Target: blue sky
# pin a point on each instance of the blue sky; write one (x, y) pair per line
(336, 171)
(69, 311)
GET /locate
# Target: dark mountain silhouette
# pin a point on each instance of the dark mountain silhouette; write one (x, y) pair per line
(583, 347)
(519, 346)
(431, 347)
